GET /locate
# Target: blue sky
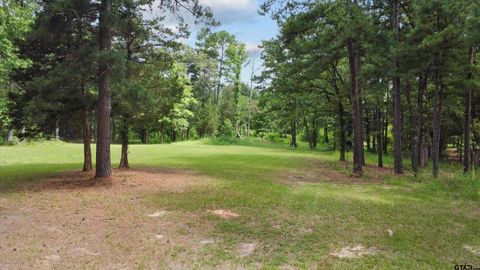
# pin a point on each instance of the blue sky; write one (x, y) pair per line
(238, 17)
(241, 18)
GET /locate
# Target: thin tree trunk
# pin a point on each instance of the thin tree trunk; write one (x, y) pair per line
(9, 137)
(124, 153)
(379, 138)
(57, 130)
(293, 133)
(103, 165)
(354, 63)
(343, 131)
(397, 98)
(367, 130)
(87, 151)
(314, 137)
(411, 130)
(325, 135)
(342, 125)
(422, 85)
(468, 118)
(437, 119)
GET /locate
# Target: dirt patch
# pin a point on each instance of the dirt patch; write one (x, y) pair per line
(246, 249)
(473, 250)
(145, 179)
(160, 213)
(324, 172)
(225, 214)
(71, 219)
(207, 241)
(352, 252)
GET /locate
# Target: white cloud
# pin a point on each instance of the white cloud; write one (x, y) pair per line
(252, 48)
(230, 11)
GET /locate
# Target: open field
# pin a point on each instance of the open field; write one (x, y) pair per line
(284, 209)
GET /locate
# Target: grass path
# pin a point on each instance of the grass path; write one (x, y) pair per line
(295, 212)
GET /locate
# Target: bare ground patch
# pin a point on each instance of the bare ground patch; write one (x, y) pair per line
(145, 179)
(353, 252)
(72, 220)
(321, 171)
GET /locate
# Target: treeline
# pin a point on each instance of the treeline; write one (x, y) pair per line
(112, 71)
(363, 69)
(374, 76)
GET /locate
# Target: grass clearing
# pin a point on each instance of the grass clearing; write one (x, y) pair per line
(280, 224)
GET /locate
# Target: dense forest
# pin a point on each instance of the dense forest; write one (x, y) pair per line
(380, 76)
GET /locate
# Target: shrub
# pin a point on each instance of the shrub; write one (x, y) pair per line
(227, 129)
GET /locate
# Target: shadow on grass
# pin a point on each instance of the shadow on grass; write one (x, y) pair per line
(16, 175)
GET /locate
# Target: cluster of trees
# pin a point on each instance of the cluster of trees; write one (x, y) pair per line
(112, 71)
(370, 75)
(360, 67)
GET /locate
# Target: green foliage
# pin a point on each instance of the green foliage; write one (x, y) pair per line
(227, 129)
(15, 21)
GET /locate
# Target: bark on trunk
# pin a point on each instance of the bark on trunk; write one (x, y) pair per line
(314, 137)
(325, 135)
(143, 135)
(379, 138)
(354, 63)
(9, 137)
(397, 98)
(367, 131)
(293, 133)
(103, 165)
(468, 119)
(385, 133)
(124, 154)
(411, 129)
(422, 84)
(342, 125)
(87, 151)
(57, 130)
(436, 127)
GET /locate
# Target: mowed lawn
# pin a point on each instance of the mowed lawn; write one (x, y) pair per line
(290, 215)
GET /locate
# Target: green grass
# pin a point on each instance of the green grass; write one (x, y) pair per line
(295, 225)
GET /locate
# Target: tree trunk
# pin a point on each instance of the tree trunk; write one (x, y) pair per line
(143, 135)
(103, 165)
(385, 134)
(397, 98)
(468, 118)
(367, 130)
(411, 129)
(124, 154)
(379, 137)
(342, 125)
(293, 133)
(314, 137)
(343, 131)
(57, 130)
(9, 137)
(325, 135)
(174, 135)
(422, 85)
(354, 63)
(87, 151)
(437, 120)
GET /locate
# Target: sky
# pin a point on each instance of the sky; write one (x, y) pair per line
(241, 18)
(238, 17)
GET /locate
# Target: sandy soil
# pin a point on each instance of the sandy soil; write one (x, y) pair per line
(322, 172)
(71, 220)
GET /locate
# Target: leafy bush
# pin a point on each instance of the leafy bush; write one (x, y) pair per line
(275, 138)
(227, 129)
